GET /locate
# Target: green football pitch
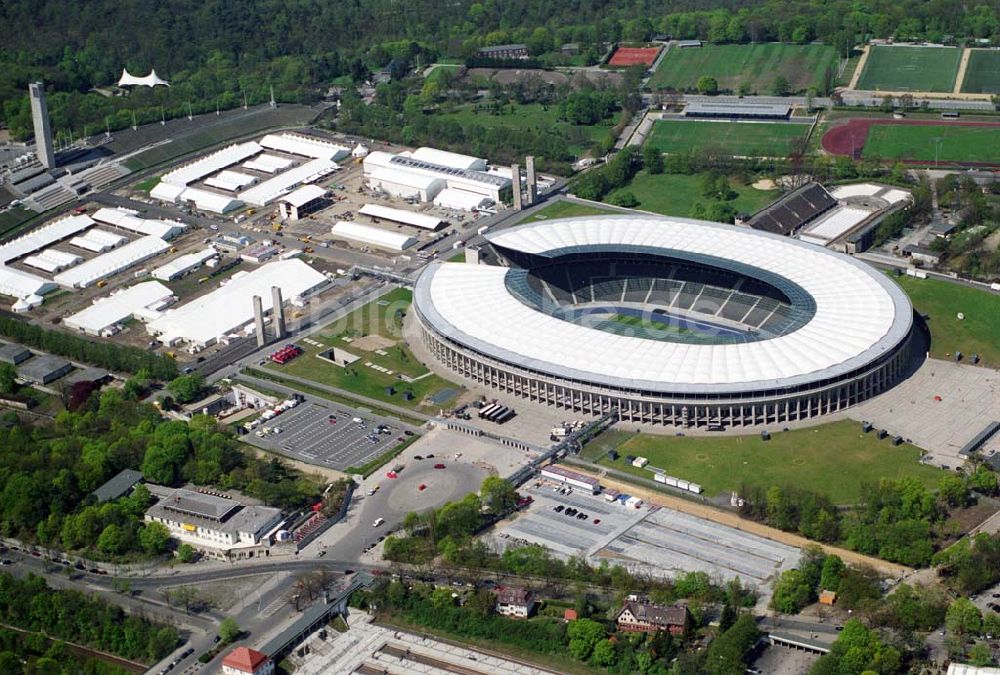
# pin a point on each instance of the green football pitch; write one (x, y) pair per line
(757, 65)
(982, 75)
(910, 69)
(941, 142)
(740, 139)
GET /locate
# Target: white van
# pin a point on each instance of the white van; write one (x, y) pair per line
(378, 522)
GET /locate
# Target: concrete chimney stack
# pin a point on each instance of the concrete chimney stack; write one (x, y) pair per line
(529, 162)
(278, 313)
(515, 175)
(258, 320)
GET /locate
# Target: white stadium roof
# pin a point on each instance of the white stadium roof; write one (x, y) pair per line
(304, 195)
(401, 216)
(110, 263)
(119, 306)
(305, 146)
(366, 234)
(273, 188)
(209, 164)
(229, 308)
(859, 313)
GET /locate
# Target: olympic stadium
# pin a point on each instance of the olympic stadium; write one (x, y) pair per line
(667, 321)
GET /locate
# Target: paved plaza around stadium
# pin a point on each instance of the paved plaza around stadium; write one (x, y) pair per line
(969, 401)
(659, 541)
(307, 435)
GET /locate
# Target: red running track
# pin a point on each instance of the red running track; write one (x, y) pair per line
(848, 139)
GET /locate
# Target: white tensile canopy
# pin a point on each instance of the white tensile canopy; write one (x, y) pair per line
(129, 80)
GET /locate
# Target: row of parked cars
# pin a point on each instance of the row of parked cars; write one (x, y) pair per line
(575, 513)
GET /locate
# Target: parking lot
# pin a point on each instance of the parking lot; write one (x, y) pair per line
(309, 434)
(657, 540)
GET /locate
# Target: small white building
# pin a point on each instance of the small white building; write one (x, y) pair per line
(301, 202)
(404, 184)
(373, 236)
(183, 265)
(460, 200)
(421, 220)
(566, 476)
(143, 301)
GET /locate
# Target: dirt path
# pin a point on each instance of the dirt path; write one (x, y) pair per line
(962, 66)
(734, 521)
(859, 68)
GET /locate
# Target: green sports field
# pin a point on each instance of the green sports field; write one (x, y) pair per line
(833, 459)
(757, 65)
(941, 302)
(675, 194)
(953, 143)
(910, 69)
(982, 75)
(741, 139)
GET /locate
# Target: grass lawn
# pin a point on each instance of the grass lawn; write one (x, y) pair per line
(380, 318)
(675, 194)
(910, 69)
(833, 459)
(742, 139)
(982, 75)
(942, 301)
(757, 65)
(148, 184)
(14, 218)
(566, 209)
(533, 116)
(957, 143)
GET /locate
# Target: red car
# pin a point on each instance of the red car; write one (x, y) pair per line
(391, 474)
(439, 466)
(421, 487)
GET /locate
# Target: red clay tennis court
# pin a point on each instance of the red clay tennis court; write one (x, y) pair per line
(634, 56)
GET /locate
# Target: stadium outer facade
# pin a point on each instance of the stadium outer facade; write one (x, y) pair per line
(844, 335)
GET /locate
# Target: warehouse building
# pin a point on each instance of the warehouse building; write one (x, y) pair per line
(28, 289)
(273, 188)
(218, 526)
(209, 164)
(421, 220)
(144, 302)
(43, 237)
(42, 369)
(460, 200)
(13, 354)
(231, 181)
(565, 476)
(305, 146)
(228, 310)
(111, 263)
(301, 202)
(127, 219)
(52, 260)
(203, 200)
(98, 241)
(373, 236)
(183, 265)
(269, 164)
(426, 172)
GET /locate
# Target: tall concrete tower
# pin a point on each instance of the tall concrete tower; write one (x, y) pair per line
(515, 175)
(258, 320)
(529, 163)
(43, 130)
(277, 313)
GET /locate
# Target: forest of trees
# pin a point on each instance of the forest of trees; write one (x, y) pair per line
(48, 471)
(214, 52)
(29, 604)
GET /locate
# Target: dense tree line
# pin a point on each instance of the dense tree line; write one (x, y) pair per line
(120, 358)
(31, 653)
(29, 604)
(860, 650)
(47, 473)
(978, 216)
(215, 52)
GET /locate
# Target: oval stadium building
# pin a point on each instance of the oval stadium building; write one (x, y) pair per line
(667, 321)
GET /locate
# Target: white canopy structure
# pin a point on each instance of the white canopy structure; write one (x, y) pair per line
(209, 164)
(144, 301)
(150, 227)
(366, 234)
(44, 236)
(229, 309)
(231, 180)
(98, 241)
(104, 266)
(52, 260)
(273, 188)
(460, 200)
(181, 265)
(305, 146)
(421, 220)
(152, 80)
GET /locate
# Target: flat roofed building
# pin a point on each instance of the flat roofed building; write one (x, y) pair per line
(228, 310)
(143, 301)
(561, 474)
(14, 354)
(733, 110)
(404, 184)
(449, 159)
(119, 486)
(301, 202)
(213, 524)
(421, 220)
(406, 168)
(43, 369)
(512, 51)
(366, 234)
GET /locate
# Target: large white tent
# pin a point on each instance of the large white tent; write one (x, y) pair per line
(366, 234)
(401, 216)
(152, 80)
(104, 266)
(143, 301)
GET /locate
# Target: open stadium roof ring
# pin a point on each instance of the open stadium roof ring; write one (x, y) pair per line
(668, 320)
